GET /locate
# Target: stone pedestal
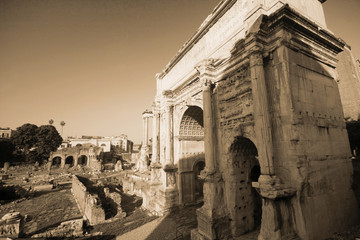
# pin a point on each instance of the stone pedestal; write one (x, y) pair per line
(211, 217)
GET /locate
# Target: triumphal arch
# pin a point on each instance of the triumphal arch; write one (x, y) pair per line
(252, 96)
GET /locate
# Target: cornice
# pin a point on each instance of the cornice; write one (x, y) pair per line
(218, 12)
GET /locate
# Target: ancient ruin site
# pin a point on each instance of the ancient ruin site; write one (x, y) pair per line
(253, 134)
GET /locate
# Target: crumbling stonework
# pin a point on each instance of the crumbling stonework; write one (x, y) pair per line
(254, 95)
(11, 225)
(89, 204)
(72, 228)
(86, 155)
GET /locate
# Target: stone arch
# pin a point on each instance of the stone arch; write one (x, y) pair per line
(82, 160)
(70, 160)
(78, 145)
(191, 152)
(192, 122)
(245, 205)
(56, 161)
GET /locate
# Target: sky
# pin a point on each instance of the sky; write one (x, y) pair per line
(92, 63)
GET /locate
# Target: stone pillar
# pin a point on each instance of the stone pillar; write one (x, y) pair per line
(156, 137)
(144, 152)
(212, 223)
(261, 114)
(169, 147)
(155, 164)
(208, 127)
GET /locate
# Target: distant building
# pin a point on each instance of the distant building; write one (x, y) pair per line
(104, 142)
(64, 144)
(5, 132)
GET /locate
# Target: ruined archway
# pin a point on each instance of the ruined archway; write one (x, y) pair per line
(82, 160)
(69, 161)
(247, 209)
(56, 162)
(191, 154)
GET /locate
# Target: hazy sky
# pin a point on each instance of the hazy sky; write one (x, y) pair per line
(92, 63)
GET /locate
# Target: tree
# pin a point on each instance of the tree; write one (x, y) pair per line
(48, 140)
(6, 150)
(51, 122)
(36, 143)
(62, 123)
(24, 138)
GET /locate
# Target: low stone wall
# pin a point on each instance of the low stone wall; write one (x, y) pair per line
(89, 204)
(79, 192)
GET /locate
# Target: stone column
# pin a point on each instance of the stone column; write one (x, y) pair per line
(169, 147)
(155, 164)
(208, 127)
(156, 137)
(261, 114)
(211, 216)
(144, 153)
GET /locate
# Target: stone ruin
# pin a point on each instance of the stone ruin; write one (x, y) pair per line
(253, 97)
(85, 155)
(11, 225)
(92, 203)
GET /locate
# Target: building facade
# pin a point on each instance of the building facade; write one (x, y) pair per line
(5, 132)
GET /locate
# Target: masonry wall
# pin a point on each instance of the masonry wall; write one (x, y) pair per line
(311, 148)
(349, 84)
(89, 204)
(79, 192)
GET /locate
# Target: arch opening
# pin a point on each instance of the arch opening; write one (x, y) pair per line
(82, 160)
(69, 161)
(56, 162)
(191, 160)
(199, 182)
(246, 169)
(192, 122)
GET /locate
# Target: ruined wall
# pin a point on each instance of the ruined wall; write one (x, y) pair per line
(79, 191)
(89, 204)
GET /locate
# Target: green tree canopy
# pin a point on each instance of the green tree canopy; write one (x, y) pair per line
(48, 140)
(36, 143)
(6, 150)
(24, 137)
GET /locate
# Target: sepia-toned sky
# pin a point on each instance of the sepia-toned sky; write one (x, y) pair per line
(92, 63)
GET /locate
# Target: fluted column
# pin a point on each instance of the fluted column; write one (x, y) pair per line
(156, 137)
(169, 147)
(261, 114)
(146, 131)
(208, 127)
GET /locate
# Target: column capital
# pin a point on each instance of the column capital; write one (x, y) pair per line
(256, 59)
(206, 84)
(206, 70)
(147, 113)
(206, 66)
